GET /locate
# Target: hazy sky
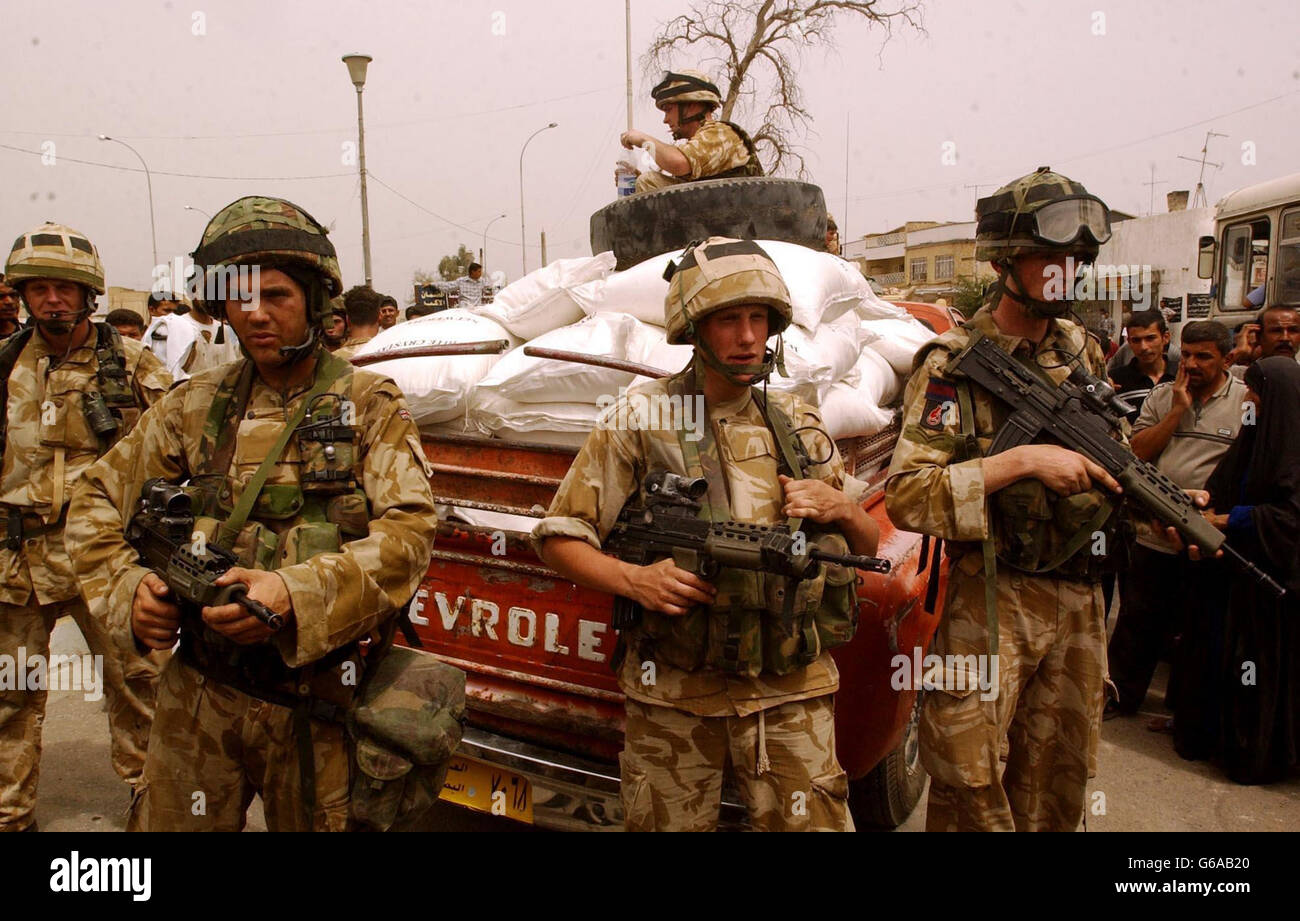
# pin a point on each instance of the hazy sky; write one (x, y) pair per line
(263, 95)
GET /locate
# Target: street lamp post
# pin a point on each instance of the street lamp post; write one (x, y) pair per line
(482, 250)
(153, 234)
(523, 231)
(357, 64)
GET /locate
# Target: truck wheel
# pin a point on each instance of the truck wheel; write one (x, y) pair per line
(638, 227)
(886, 796)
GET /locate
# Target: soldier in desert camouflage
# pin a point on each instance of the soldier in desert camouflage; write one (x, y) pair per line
(70, 389)
(712, 150)
(721, 671)
(329, 513)
(1022, 530)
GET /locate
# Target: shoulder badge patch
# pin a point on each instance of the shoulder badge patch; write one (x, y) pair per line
(940, 400)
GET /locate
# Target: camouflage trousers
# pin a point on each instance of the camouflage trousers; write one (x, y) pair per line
(128, 684)
(213, 747)
(672, 768)
(1045, 719)
(649, 182)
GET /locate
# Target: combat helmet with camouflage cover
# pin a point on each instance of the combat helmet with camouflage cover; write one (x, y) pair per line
(686, 86)
(1043, 212)
(719, 273)
(271, 233)
(1040, 213)
(57, 252)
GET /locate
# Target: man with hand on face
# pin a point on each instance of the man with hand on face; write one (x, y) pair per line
(712, 149)
(69, 390)
(1185, 427)
(311, 473)
(1021, 528)
(721, 670)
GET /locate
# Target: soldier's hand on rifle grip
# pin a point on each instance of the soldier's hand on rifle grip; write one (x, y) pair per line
(667, 588)
(1202, 499)
(821, 503)
(234, 621)
(1063, 471)
(154, 620)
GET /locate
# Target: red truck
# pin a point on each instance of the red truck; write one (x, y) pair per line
(545, 716)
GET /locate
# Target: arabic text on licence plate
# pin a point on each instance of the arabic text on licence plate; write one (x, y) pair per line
(476, 785)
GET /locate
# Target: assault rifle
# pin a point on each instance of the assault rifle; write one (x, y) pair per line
(1081, 413)
(667, 525)
(162, 532)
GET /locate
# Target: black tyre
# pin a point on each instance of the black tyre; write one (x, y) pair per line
(640, 226)
(886, 796)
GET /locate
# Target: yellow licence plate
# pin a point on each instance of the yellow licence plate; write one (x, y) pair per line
(489, 789)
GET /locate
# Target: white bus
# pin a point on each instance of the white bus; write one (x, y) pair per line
(1256, 243)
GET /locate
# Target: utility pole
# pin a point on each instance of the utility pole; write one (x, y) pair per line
(1198, 198)
(357, 64)
(1151, 204)
(627, 19)
(544, 262)
(845, 235)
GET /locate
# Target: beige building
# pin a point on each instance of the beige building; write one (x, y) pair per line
(129, 298)
(924, 259)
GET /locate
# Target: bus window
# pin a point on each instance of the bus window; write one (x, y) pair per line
(1288, 259)
(1245, 260)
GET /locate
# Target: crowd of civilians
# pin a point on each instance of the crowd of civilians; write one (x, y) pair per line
(1221, 414)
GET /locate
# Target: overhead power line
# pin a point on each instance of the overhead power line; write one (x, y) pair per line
(159, 172)
(342, 129)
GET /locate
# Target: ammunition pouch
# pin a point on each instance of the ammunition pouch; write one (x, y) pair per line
(405, 728)
(750, 629)
(1037, 531)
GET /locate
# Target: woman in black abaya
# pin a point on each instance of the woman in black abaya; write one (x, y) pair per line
(1255, 498)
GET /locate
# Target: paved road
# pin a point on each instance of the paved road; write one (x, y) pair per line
(1146, 786)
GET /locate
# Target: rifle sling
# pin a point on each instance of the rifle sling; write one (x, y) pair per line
(328, 370)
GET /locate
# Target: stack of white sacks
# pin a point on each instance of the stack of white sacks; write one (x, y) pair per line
(848, 351)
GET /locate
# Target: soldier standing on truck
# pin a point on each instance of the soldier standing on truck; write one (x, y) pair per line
(737, 669)
(69, 389)
(713, 149)
(1026, 530)
(311, 472)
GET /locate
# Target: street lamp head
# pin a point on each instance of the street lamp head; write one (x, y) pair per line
(105, 137)
(357, 64)
(552, 125)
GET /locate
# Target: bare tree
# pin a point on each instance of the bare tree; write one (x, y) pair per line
(753, 47)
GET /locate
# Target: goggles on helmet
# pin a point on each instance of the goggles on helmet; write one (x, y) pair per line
(1063, 222)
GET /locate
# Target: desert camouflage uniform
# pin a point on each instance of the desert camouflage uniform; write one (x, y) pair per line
(1052, 648)
(684, 726)
(714, 149)
(350, 346)
(213, 739)
(48, 444)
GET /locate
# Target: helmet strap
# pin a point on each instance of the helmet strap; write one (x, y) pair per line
(1045, 310)
(772, 360)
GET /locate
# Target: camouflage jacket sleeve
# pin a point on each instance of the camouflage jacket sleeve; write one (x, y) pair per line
(928, 489)
(341, 597)
(107, 567)
(714, 149)
(149, 377)
(601, 479)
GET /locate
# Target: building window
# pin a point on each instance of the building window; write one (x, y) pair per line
(918, 269)
(943, 268)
